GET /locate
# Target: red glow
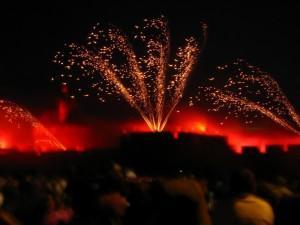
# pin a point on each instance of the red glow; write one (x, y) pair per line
(63, 111)
(238, 134)
(95, 132)
(3, 144)
(74, 137)
(64, 89)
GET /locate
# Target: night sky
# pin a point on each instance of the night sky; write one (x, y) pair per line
(266, 36)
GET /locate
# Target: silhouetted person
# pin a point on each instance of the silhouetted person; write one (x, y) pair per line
(244, 207)
(180, 201)
(98, 202)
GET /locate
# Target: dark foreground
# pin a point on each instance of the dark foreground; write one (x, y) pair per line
(151, 181)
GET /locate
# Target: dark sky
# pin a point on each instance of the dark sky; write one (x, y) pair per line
(265, 35)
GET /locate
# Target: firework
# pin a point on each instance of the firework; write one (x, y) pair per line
(20, 117)
(144, 76)
(249, 91)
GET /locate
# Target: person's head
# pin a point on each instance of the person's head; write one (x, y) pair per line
(115, 201)
(243, 182)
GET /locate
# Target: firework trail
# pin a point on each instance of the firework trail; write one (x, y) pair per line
(144, 76)
(250, 90)
(17, 116)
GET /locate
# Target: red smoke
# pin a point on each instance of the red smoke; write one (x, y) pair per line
(238, 134)
(102, 133)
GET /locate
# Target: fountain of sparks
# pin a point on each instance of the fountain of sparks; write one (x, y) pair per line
(250, 92)
(18, 118)
(146, 79)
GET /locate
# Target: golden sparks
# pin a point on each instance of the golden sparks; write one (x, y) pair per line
(250, 90)
(18, 116)
(143, 76)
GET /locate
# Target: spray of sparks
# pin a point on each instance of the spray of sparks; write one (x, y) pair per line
(146, 78)
(250, 92)
(17, 116)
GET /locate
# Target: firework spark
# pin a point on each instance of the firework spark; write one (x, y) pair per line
(250, 90)
(17, 116)
(108, 65)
